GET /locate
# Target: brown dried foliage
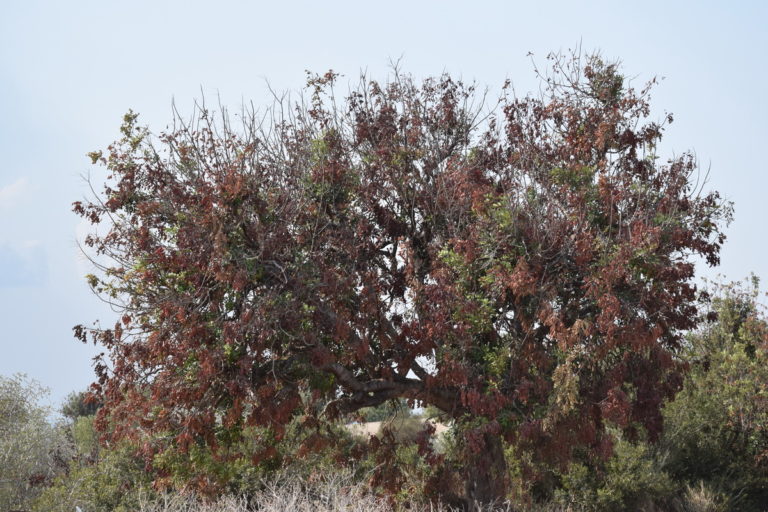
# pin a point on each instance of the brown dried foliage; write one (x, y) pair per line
(525, 267)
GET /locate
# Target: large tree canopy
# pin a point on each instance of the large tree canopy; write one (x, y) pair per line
(524, 267)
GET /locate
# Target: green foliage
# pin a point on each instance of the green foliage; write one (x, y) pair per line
(30, 447)
(716, 428)
(97, 479)
(116, 482)
(385, 410)
(77, 404)
(85, 438)
(251, 456)
(574, 177)
(632, 479)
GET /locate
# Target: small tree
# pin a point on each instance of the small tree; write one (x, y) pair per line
(718, 425)
(79, 404)
(32, 451)
(525, 269)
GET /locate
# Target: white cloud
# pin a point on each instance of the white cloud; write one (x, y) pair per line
(23, 265)
(9, 194)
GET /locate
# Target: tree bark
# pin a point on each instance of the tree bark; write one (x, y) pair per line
(486, 474)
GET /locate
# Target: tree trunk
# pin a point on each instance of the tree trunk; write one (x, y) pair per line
(486, 475)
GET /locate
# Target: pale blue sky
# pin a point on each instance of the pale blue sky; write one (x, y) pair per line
(70, 70)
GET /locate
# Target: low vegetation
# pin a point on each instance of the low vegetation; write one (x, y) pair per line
(712, 455)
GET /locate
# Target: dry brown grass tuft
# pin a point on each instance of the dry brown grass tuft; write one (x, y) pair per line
(331, 493)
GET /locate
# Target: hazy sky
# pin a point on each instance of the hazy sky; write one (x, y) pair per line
(70, 70)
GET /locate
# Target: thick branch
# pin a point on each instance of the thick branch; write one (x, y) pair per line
(377, 391)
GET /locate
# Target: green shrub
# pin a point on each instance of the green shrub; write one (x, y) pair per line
(717, 428)
(31, 449)
(116, 482)
(631, 479)
(385, 410)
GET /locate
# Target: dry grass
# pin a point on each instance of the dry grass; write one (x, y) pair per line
(339, 492)
(332, 493)
(701, 498)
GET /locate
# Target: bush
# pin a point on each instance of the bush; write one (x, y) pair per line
(385, 410)
(631, 479)
(115, 482)
(97, 479)
(32, 451)
(717, 428)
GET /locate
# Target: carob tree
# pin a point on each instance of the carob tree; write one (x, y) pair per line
(524, 267)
